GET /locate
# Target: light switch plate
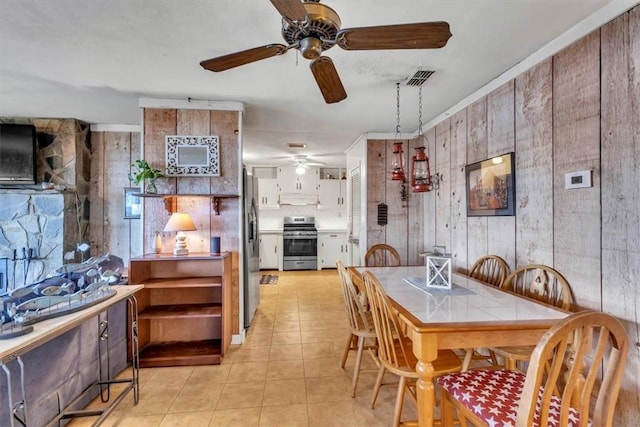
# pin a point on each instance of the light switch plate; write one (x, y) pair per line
(580, 179)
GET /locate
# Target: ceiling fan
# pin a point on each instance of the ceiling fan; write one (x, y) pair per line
(312, 28)
(302, 163)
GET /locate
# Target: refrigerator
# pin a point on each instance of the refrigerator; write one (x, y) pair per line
(251, 258)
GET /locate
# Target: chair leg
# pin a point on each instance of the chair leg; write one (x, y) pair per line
(510, 363)
(446, 409)
(397, 411)
(468, 353)
(345, 354)
(377, 386)
(356, 368)
(494, 359)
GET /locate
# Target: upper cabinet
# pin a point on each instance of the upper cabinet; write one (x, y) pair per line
(290, 182)
(267, 187)
(268, 193)
(332, 189)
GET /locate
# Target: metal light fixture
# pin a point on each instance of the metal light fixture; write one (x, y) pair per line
(421, 178)
(420, 172)
(397, 166)
(180, 222)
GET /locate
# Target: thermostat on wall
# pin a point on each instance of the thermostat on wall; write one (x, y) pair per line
(577, 179)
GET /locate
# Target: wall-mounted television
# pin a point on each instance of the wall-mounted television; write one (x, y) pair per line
(17, 154)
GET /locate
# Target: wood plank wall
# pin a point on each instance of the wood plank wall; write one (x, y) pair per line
(404, 216)
(620, 194)
(112, 154)
(157, 123)
(578, 110)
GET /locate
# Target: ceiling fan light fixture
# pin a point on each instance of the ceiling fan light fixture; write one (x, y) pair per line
(310, 47)
(300, 170)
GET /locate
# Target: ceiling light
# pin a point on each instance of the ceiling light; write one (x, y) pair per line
(300, 170)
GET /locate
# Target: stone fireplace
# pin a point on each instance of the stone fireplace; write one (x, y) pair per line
(40, 229)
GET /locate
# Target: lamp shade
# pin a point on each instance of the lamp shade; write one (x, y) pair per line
(180, 222)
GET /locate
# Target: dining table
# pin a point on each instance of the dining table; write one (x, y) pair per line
(470, 314)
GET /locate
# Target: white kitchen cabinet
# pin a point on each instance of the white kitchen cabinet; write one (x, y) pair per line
(332, 193)
(268, 193)
(289, 182)
(332, 246)
(270, 251)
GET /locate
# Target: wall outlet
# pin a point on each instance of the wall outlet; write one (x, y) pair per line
(580, 179)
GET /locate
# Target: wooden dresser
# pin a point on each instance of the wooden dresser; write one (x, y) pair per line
(184, 310)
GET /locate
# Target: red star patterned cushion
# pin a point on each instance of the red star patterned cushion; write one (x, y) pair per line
(494, 395)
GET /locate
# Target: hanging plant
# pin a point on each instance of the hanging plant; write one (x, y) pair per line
(143, 173)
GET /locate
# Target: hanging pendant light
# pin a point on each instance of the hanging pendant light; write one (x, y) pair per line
(397, 173)
(420, 171)
(397, 166)
(421, 179)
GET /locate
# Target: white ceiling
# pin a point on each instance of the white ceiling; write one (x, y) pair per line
(93, 60)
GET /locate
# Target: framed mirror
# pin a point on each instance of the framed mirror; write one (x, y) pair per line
(192, 155)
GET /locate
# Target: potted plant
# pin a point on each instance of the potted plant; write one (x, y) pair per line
(142, 172)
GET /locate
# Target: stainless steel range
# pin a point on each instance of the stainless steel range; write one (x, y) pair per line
(300, 241)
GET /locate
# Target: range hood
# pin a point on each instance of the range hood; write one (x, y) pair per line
(298, 199)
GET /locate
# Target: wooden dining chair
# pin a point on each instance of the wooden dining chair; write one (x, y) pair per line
(395, 349)
(490, 269)
(493, 270)
(584, 355)
(360, 325)
(381, 255)
(543, 284)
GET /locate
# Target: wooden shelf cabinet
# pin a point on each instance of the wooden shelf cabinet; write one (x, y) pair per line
(184, 309)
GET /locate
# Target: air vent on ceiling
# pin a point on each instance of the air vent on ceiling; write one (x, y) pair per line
(294, 145)
(418, 78)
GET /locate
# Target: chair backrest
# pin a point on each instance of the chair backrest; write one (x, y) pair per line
(388, 327)
(354, 302)
(577, 352)
(381, 255)
(542, 283)
(490, 269)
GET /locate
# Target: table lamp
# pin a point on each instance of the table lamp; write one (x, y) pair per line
(180, 222)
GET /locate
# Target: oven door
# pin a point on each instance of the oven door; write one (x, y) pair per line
(300, 246)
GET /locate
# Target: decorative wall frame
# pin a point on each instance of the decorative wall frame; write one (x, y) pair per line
(192, 155)
(132, 203)
(491, 187)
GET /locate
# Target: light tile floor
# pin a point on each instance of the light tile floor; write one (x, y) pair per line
(287, 373)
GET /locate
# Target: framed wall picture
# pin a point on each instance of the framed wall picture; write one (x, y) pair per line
(192, 155)
(132, 203)
(491, 187)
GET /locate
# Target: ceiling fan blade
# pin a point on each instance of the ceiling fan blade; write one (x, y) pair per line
(425, 35)
(222, 63)
(328, 80)
(292, 10)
